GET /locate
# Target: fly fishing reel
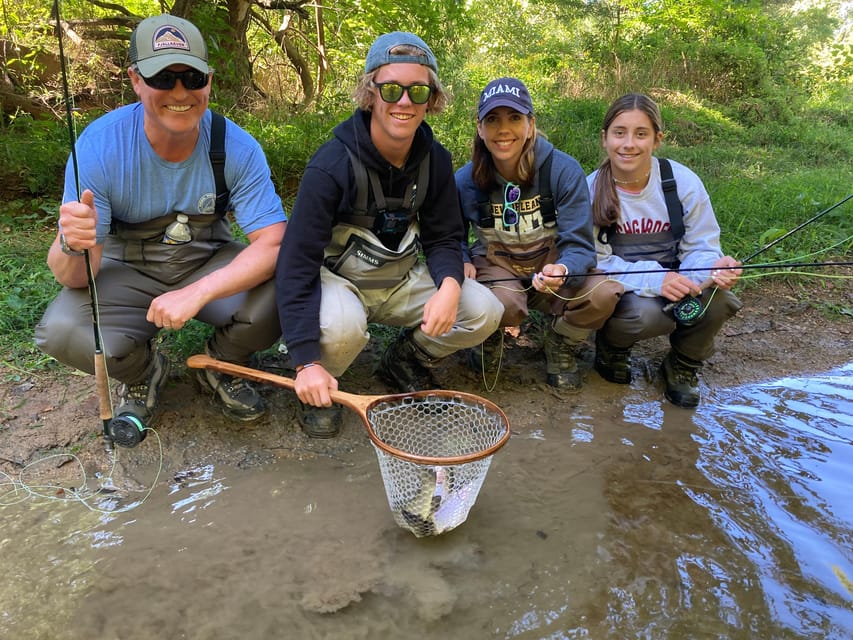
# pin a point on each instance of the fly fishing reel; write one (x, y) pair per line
(127, 430)
(687, 311)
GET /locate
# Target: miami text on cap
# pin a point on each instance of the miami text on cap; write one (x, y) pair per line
(505, 92)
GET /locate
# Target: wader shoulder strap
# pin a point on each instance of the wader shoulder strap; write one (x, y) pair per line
(673, 204)
(546, 200)
(217, 161)
(415, 193)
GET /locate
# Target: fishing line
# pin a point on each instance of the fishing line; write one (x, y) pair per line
(497, 364)
(21, 488)
(828, 276)
(797, 228)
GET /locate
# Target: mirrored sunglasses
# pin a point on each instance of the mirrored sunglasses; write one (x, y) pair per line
(512, 194)
(393, 91)
(192, 79)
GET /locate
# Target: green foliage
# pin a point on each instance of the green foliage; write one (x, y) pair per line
(755, 98)
(32, 156)
(26, 285)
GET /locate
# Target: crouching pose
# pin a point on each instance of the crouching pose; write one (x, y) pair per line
(158, 178)
(528, 204)
(653, 217)
(371, 199)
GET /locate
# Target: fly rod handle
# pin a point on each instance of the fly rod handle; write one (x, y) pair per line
(103, 386)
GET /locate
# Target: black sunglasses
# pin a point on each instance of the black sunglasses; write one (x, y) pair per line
(393, 91)
(512, 194)
(192, 79)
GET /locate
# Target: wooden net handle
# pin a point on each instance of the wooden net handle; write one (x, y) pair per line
(357, 403)
(360, 404)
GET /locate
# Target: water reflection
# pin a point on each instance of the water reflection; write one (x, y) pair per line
(631, 519)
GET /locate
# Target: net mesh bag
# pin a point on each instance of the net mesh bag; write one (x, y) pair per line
(434, 451)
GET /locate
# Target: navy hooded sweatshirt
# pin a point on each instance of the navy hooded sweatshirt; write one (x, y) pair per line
(327, 191)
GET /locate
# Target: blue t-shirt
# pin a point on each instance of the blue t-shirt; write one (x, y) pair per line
(133, 184)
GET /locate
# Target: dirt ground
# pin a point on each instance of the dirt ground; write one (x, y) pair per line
(783, 329)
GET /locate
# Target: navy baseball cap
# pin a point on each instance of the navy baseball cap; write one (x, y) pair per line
(505, 92)
(380, 51)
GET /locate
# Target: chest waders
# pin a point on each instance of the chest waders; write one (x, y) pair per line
(377, 244)
(141, 244)
(522, 258)
(662, 246)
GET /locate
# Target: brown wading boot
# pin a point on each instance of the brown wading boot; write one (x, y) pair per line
(320, 422)
(140, 399)
(405, 365)
(612, 363)
(682, 384)
(560, 365)
(486, 356)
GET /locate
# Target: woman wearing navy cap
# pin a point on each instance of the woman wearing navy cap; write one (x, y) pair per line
(529, 206)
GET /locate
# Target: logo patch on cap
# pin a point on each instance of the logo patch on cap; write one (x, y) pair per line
(169, 37)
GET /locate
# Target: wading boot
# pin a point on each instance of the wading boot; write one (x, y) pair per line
(238, 399)
(612, 363)
(486, 356)
(405, 366)
(320, 422)
(140, 399)
(682, 384)
(560, 365)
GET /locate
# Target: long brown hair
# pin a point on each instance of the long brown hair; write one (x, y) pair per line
(605, 204)
(483, 171)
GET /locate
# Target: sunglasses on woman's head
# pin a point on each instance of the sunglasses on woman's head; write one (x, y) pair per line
(512, 194)
(192, 79)
(393, 91)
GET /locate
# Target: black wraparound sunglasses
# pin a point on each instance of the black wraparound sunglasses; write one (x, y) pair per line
(192, 79)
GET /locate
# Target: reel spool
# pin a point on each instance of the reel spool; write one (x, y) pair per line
(688, 311)
(127, 430)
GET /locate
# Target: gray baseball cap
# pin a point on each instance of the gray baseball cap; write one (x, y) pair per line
(164, 40)
(380, 51)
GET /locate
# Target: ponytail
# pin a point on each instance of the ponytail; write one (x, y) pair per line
(605, 200)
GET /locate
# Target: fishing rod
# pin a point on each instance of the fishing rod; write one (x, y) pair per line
(126, 430)
(689, 310)
(792, 231)
(769, 265)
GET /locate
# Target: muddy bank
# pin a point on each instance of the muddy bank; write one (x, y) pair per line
(782, 330)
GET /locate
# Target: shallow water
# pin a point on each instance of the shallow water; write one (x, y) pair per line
(626, 520)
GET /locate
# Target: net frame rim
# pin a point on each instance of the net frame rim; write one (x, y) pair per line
(443, 461)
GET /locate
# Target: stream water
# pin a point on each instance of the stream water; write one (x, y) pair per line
(627, 520)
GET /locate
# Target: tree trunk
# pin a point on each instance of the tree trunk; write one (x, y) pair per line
(323, 61)
(239, 67)
(299, 63)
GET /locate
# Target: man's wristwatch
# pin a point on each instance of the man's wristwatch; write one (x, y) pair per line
(66, 249)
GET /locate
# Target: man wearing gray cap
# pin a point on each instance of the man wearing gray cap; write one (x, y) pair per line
(145, 206)
(371, 200)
